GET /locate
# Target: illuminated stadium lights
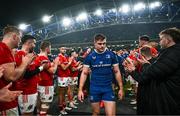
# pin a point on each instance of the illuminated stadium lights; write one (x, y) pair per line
(81, 17)
(66, 22)
(139, 6)
(98, 12)
(154, 5)
(124, 9)
(23, 26)
(111, 15)
(46, 18)
(113, 10)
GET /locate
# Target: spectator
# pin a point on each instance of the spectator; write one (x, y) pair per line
(163, 74)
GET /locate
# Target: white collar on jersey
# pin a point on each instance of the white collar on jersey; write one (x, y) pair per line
(100, 52)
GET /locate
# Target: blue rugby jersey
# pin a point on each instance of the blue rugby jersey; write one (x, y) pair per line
(101, 65)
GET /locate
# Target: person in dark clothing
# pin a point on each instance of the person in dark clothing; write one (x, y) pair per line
(143, 89)
(162, 76)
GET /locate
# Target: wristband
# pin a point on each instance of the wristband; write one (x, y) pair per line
(41, 68)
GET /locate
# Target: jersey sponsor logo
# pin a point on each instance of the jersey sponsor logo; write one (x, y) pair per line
(93, 57)
(101, 62)
(101, 65)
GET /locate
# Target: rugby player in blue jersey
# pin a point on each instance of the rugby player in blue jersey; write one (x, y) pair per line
(103, 65)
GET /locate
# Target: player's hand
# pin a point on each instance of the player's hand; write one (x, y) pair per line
(28, 58)
(46, 66)
(6, 95)
(81, 95)
(143, 60)
(79, 67)
(70, 59)
(56, 61)
(120, 94)
(1, 71)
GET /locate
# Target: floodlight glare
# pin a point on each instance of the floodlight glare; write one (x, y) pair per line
(114, 10)
(23, 26)
(139, 6)
(125, 8)
(154, 5)
(98, 12)
(66, 22)
(46, 18)
(81, 17)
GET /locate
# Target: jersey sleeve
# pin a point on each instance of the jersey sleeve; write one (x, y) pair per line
(61, 59)
(87, 61)
(18, 57)
(6, 56)
(114, 59)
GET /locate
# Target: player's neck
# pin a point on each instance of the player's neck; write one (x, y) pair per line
(8, 44)
(25, 49)
(43, 53)
(62, 54)
(100, 52)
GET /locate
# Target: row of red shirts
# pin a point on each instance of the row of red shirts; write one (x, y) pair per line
(6, 57)
(68, 72)
(133, 57)
(29, 86)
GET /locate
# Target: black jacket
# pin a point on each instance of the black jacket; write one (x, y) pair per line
(162, 79)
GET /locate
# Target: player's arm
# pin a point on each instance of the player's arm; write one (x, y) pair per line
(82, 81)
(31, 73)
(118, 76)
(54, 66)
(6, 95)
(12, 73)
(83, 77)
(63, 66)
(76, 68)
(119, 80)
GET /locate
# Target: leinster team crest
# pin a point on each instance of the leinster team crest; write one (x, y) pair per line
(108, 56)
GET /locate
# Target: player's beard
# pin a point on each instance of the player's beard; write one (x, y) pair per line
(31, 50)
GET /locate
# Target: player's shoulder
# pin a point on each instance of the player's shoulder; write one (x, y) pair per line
(20, 52)
(92, 53)
(110, 52)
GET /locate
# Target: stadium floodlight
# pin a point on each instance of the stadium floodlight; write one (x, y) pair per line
(114, 10)
(23, 26)
(125, 8)
(66, 21)
(98, 12)
(81, 17)
(155, 4)
(46, 18)
(139, 6)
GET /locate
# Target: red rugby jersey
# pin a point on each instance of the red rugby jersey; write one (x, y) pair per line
(45, 78)
(61, 72)
(6, 57)
(74, 65)
(28, 86)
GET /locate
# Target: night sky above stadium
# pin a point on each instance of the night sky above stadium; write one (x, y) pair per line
(14, 12)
